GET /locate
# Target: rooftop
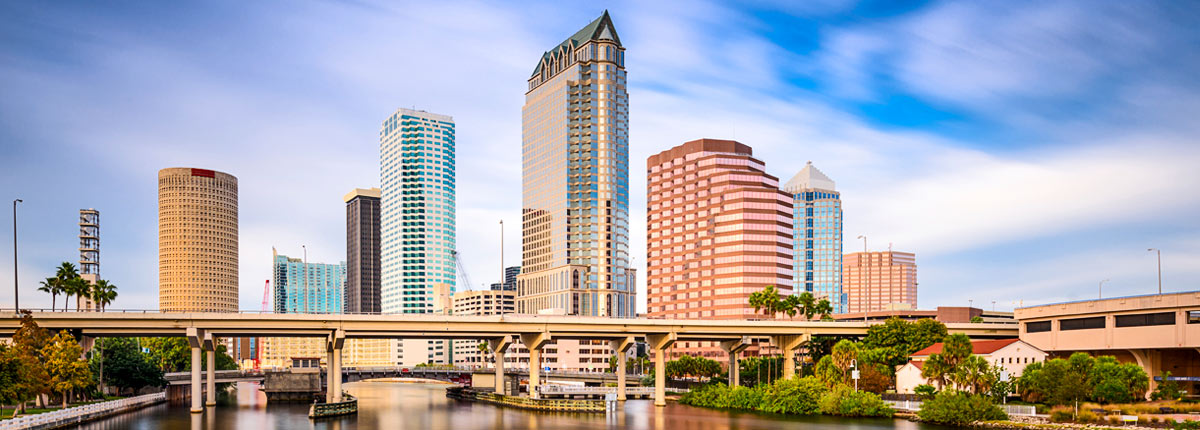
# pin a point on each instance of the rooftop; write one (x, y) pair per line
(979, 347)
(809, 178)
(599, 29)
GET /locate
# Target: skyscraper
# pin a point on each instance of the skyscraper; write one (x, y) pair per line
(302, 287)
(197, 241)
(416, 171)
(362, 251)
(883, 280)
(817, 222)
(575, 179)
(718, 230)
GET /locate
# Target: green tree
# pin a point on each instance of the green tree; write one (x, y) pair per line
(53, 287)
(66, 370)
(103, 293)
(125, 366)
(940, 366)
(767, 301)
(824, 309)
(793, 396)
(975, 375)
(1114, 382)
(828, 373)
(899, 339)
(1167, 389)
(69, 281)
(806, 304)
(28, 343)
(844, 354)
(976, 319)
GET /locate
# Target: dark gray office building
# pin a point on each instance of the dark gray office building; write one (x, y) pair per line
(363, 264)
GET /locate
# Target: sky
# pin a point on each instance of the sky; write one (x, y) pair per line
(1024, 150)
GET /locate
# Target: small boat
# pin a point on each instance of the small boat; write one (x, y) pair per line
(345, 407)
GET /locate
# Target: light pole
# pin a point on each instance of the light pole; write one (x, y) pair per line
(1100, 289)
(16, 289)
(501, 256)
(1152, 249)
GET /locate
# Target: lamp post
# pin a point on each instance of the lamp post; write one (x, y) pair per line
(16, 289)
(1100, 289)
(1159, 267)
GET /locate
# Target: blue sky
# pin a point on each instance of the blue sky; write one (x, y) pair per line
(1024, 150)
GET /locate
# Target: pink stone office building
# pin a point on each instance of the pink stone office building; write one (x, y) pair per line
(878, 281)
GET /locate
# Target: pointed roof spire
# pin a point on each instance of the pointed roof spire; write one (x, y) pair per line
(809, 178)
(600, 28)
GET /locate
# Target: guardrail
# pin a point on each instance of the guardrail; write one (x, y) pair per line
(571, 389)
(914, 405)
(79, 414)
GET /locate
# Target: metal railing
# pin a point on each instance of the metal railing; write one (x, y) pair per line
(915, 405)
(79, 414)
(571, 389)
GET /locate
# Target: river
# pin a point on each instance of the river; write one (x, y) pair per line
(394, 405)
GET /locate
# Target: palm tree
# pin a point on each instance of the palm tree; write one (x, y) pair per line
(823, 308)
(767, 300)
(806, 305)
(792, 305)
(52, 286)
(66, 274)
(103, 293)
(81, 289)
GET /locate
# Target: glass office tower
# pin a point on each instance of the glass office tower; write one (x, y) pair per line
(817, 222)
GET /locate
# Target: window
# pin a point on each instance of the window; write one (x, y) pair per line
(1037, 327)
(1193, 317)
(1142, 320)
(1081, 323)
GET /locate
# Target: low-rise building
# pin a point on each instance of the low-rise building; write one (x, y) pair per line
(467, 352)
(944, 314)
(1011, 354)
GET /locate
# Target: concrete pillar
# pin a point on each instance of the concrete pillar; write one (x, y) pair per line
(1151, 361)
(535, 342)
(337, 375)
(210, 374)
(621, 348)
(734, 348)
(329, 375)
(499, 346)
(659, 343)
(789, 343)
(193, 337)
(197, 395)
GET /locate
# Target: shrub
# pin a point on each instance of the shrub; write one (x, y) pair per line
(1086, 416)
(1062, 414)
(925, 391)
(793, 396)
(744, 398)
(1186, 425)
(954, 407)
(707, 396)
(848, 402)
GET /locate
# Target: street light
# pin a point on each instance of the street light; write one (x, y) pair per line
(1100, 290)
(1159, 251)
(16, 289)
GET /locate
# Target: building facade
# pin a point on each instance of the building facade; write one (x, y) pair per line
(879, 281)
(89, 252)
(362, 251)
(197, 241)
(417, 212)
(575, 179)
(485, 302)
(719, 229)
(817, 222)
(307, 288)
(1011, 355)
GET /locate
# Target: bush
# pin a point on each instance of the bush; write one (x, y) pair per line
(745, 398)
(707, 396)
(848, 402)
(954, 407)
(925, 391)
(1086, 416)
(793, 396)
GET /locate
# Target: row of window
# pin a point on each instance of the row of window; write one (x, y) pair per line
(1119, 321)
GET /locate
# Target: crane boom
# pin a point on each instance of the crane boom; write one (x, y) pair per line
(462, 270)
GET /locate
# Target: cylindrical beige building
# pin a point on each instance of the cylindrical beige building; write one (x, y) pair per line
(197, 240)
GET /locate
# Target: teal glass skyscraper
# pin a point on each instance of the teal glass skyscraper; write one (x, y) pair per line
(817, 223)
(416, 172)
(307, 287)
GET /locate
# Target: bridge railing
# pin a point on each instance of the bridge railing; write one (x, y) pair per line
(78, 414)
(573, 389)
(248, 373)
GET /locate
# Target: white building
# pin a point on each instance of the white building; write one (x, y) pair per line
(416, 172)
(1012, 354)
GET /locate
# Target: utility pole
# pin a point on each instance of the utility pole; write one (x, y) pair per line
(16, 288)
(1152, 249)
(502, 255)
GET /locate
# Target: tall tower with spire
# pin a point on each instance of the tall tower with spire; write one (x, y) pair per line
(817, 223)
(575, 179)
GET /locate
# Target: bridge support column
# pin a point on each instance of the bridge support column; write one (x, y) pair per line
(333, 376)
(1151, 361)
(535, 342)
(789, 344)
(499, 346)
(659, 344)
(210, 373)
(620, 348)
(734, 348)
(193, 337)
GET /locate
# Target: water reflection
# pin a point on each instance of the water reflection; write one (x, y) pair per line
(392, 405)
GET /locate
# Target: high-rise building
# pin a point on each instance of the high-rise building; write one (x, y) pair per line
(305, 288)
(362, 251)
(197, 241)
(575, 179)
(509, 283)
(89, 251)
(484, 302)
(416, 171)
(817, 222)
(877, 281)
(719, 229)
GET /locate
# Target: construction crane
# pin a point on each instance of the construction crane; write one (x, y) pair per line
(462, 270)
(266, 294)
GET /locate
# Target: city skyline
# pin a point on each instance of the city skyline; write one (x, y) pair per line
(953, 172)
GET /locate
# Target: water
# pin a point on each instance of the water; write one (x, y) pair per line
(393, 405)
